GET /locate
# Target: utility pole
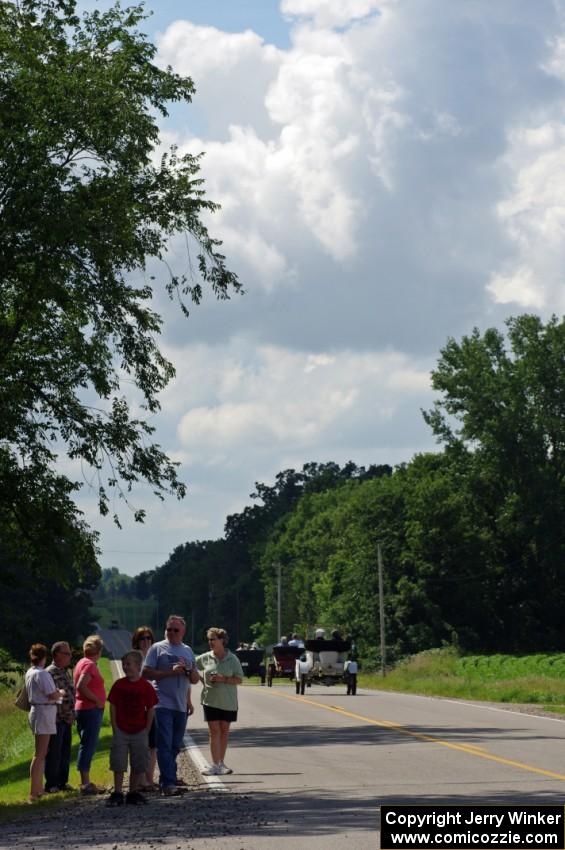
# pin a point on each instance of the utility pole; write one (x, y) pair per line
(279, 592)
(381, 610)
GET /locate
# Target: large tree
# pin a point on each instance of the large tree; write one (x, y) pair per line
(87, 209)
(501, 414)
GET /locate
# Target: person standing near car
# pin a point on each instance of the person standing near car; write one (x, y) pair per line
(170, 664)
(221, 673)
(58, 759)
(350, 670)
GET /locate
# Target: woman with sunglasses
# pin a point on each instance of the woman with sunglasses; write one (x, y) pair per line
(143, 639)
(221, 673)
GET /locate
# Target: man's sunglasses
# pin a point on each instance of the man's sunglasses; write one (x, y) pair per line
(171, 629)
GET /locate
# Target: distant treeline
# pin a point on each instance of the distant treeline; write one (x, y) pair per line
(473, 537)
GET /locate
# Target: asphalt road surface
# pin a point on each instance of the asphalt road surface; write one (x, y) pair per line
(319, 766)
(311, 772)
(116, 641)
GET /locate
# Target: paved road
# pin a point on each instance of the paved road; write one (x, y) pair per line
(116, 641)
(311, 772)
(321, 765)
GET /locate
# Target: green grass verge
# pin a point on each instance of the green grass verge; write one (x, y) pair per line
(538, 679)
(16, 751)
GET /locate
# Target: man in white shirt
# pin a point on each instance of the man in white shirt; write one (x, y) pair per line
(350, 669)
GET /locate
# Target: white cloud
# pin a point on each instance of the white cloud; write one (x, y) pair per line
(534, 217)
(386, 158)
(276, 398)
(392, 178)
(330, 12)
(518, 287)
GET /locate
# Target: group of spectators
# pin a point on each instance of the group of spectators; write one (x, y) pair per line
(149, 709)
(56, 701)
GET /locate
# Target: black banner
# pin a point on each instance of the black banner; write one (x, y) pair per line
(472, 827)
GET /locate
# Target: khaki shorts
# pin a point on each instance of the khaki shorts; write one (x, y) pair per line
(136, 745)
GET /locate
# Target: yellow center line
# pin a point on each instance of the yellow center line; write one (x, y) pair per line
(470, 749)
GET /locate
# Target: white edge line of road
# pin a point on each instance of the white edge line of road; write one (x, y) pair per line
(194, 752)
(475, 705)
(117, 669)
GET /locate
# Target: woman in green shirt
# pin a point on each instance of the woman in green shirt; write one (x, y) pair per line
(220, 673)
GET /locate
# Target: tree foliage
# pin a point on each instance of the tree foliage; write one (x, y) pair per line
(472, 536)
(501, 414)
(85, 204)
(45, 610)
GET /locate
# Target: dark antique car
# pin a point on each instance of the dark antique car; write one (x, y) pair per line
(252, 662)
(282, 663)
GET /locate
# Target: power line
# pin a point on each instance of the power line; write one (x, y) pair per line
(132, 552)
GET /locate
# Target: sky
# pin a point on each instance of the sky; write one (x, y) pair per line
(390, 174)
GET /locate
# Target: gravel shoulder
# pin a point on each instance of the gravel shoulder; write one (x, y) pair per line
(173, 823)
(200, 818)
(520, 708)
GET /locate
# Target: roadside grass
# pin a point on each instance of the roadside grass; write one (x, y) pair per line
(537, 679)
(16, 751)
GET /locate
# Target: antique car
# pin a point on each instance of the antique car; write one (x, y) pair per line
(322, 662)
(282, 662)
(252, 662)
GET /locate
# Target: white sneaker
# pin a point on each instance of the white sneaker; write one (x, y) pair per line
(212, 770)
(224, 768)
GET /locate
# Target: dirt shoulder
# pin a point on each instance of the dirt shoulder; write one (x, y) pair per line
(520, 708)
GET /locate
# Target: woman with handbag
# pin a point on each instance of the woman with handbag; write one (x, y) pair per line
(42, 694)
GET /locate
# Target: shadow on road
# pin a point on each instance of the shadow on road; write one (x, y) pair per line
(277, 737)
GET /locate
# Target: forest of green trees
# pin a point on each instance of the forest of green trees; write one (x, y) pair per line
(473, 536)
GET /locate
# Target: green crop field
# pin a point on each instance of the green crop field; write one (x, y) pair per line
(538, 679)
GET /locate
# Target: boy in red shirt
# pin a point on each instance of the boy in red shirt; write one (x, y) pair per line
(132, 705)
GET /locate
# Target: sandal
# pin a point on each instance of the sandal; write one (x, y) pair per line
(172, 792)
(116, 798)
(90, 789)
(148, 789)
(134, 798)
